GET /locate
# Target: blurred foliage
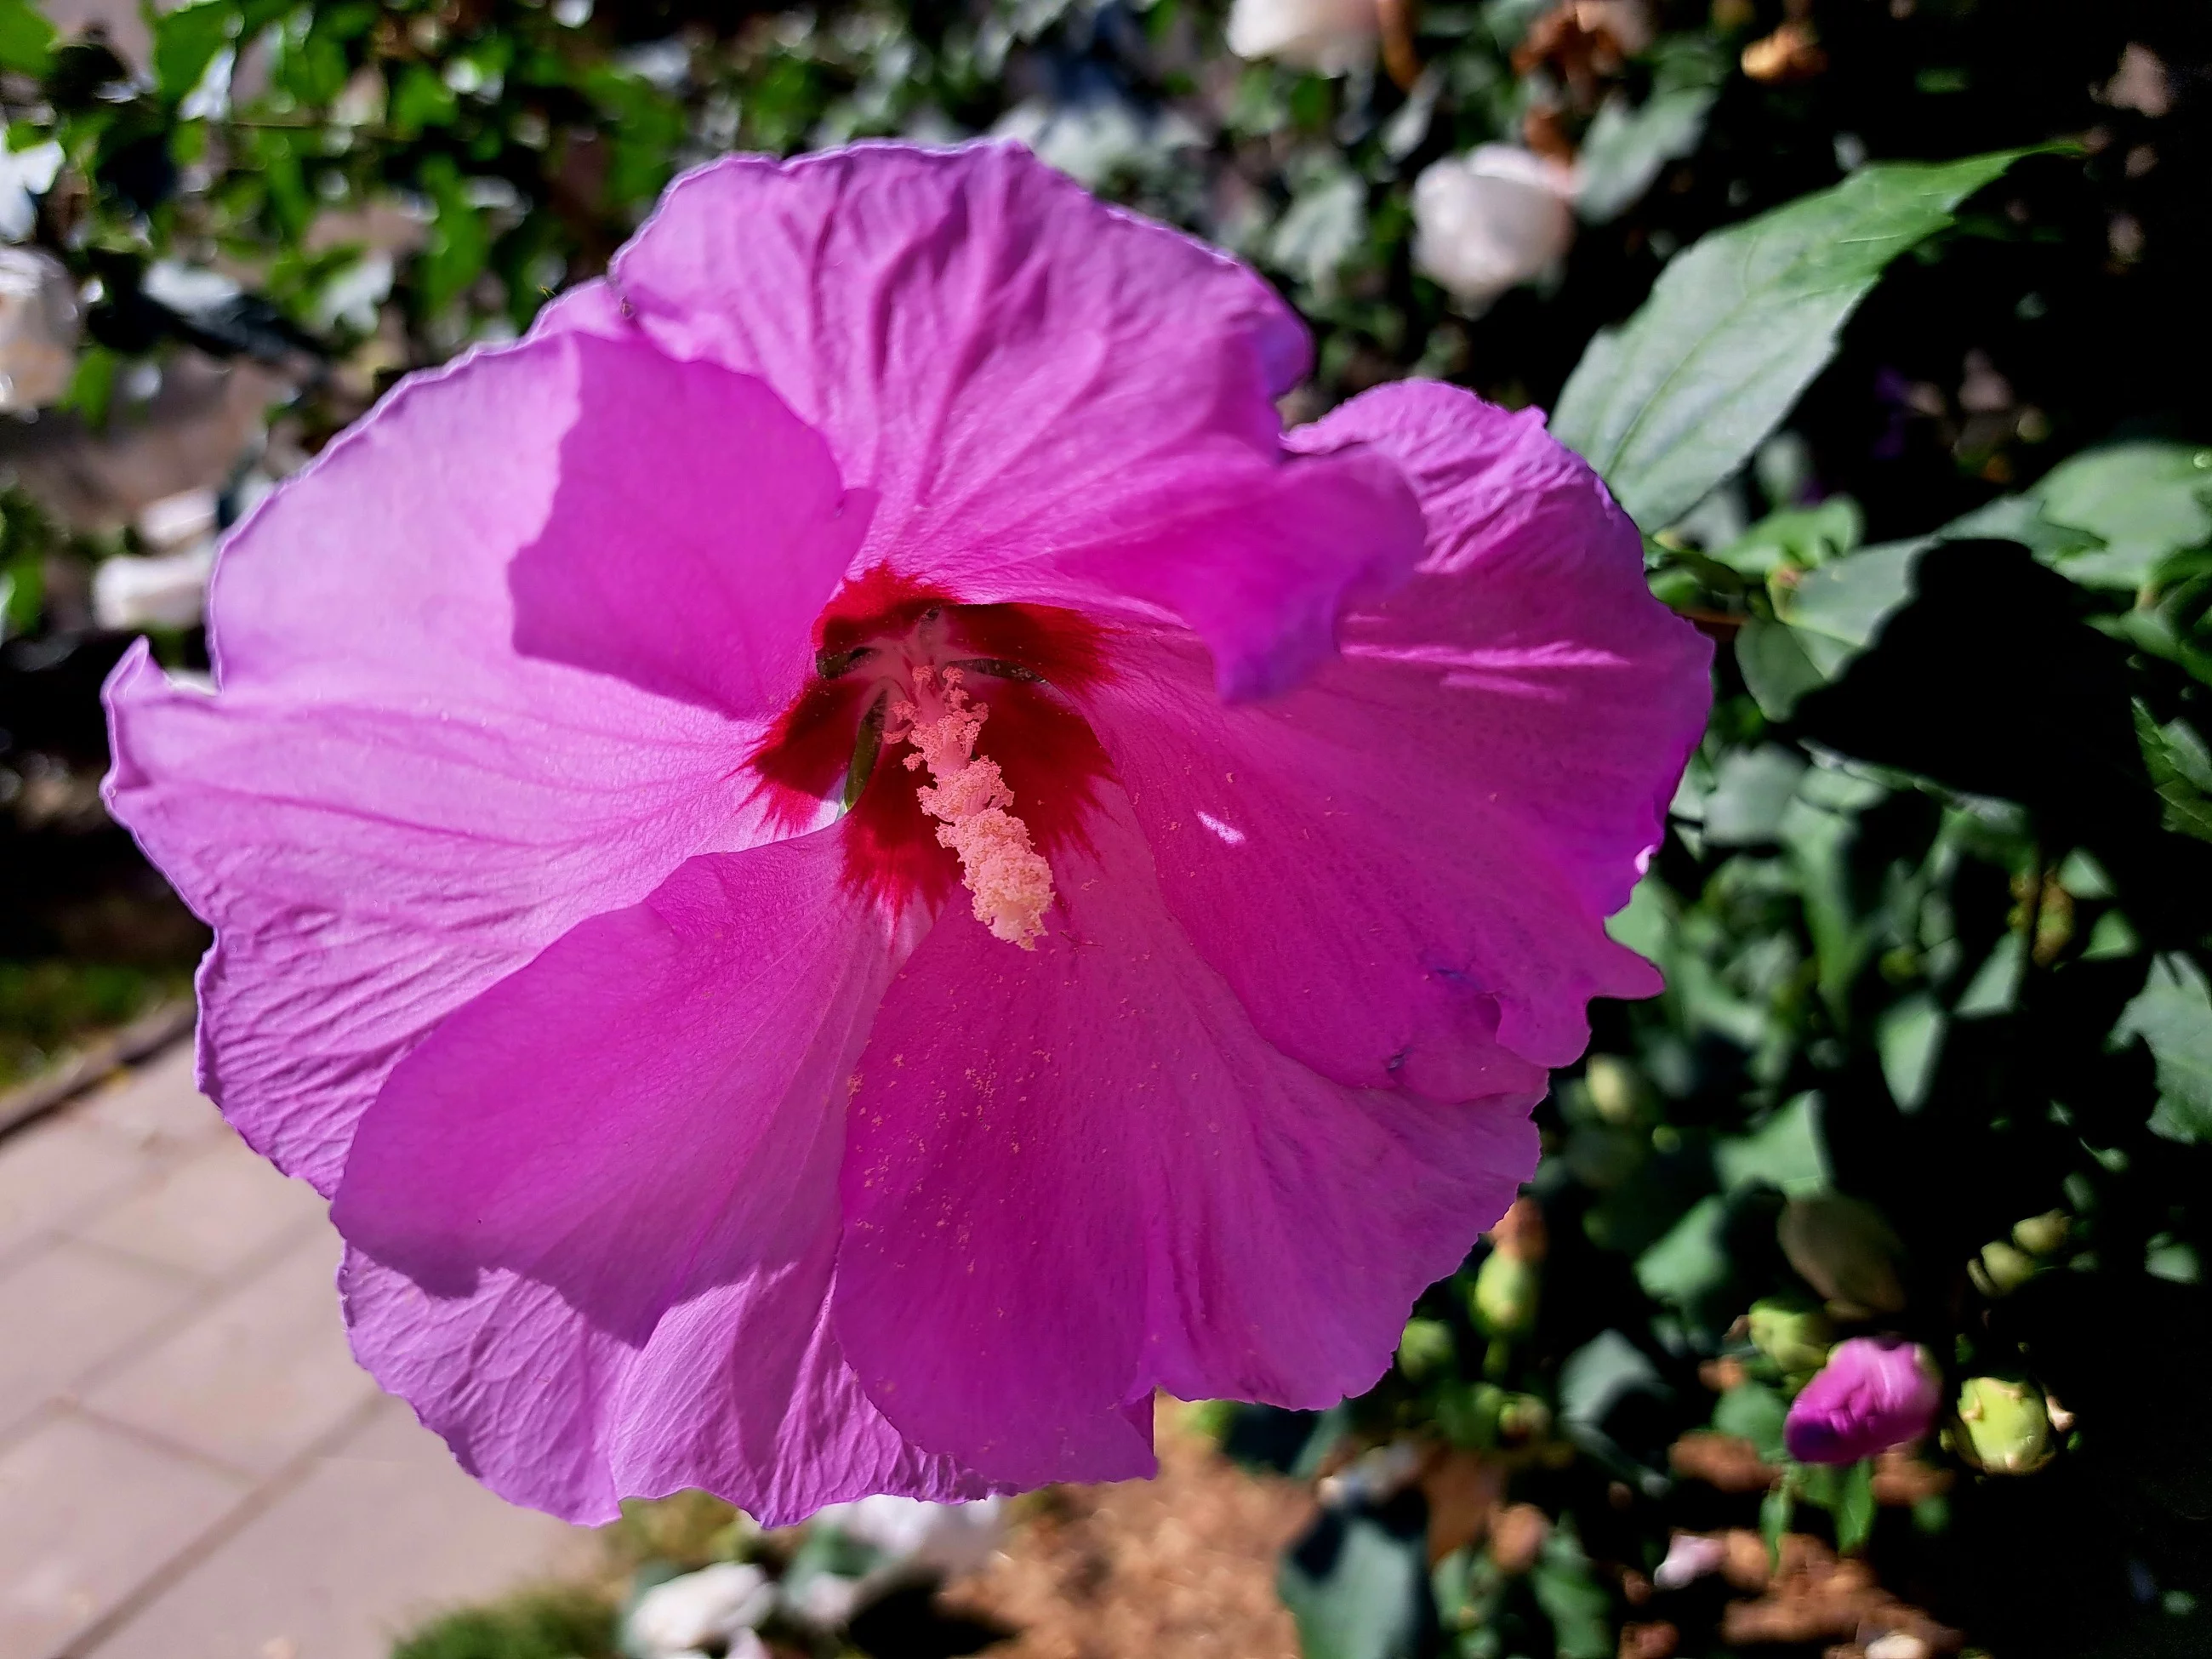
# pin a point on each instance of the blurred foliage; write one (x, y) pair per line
(560, 1623)
(1935, 1052)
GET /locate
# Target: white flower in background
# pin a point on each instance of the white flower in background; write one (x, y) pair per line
(169, 590)
(913, 1541)
(921, 1536)
(38, 329)
(1491, 219)
(825, 1600)
(2140, 83)
(354, 295)
(715, 1604)
(1331, 36)
(1375, 1476)
(1690, 1556)
(175, 521)
(188, 291)
(25, 174)
(209, 99)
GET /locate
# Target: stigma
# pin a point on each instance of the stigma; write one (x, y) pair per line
(1010, 881)
(909, 669)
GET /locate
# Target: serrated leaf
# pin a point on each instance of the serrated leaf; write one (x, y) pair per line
(1668, 406)
(2180, 771)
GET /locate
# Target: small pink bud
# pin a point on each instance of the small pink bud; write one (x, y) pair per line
(1875, 1392)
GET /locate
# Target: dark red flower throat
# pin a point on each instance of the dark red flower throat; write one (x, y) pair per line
(883, 647)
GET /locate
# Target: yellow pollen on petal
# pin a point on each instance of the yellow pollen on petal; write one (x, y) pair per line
(1010, 879)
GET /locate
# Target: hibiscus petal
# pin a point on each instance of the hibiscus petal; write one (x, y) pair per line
(1051, 400)
(1260, 560)
(689, 548)
(1078, 1175)
(386, 809)
(1403, 868)
(594, 1215)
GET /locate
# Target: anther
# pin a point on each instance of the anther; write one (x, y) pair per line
(1010, 882)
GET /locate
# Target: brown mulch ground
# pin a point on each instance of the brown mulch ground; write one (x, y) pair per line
(1182, 1567)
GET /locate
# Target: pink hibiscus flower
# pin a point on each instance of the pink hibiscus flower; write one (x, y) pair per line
(1875, 1392)
(847, 861)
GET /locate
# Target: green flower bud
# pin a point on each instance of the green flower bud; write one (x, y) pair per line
(2005, 1427)
(1523, 1418)
(2000, 1268)
(1505, 1295)
(1425, 1348)
(1469, 1413)
(2043, 1235)
(1845, 1251)
(1617, 1089)
(1796, 1338)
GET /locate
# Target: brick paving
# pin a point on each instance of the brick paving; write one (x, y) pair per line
(192, 1466)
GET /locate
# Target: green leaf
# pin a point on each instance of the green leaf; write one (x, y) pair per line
(1578, 1607)
(1646, 923)
(1785, 1152)
(1798, 537)
(1777, 668)
(1668, 406)
(1994, 986)
(1775, 1510)
(1836, 611)
(1756, 1413)
(1818, 840)
(1839, 608)
(1854, 1507)
(1357, 1589)
(93, 385)
(1909, 1037)
(27, 39)
(1752, 789)
(185, 41)
(1601, 1373)
(1625, 149)
(420, 99)
(458, 239)
(1690, 1261)
(1324, 229)
(2143, 502)
(2180, 770)
(2173, 1015)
